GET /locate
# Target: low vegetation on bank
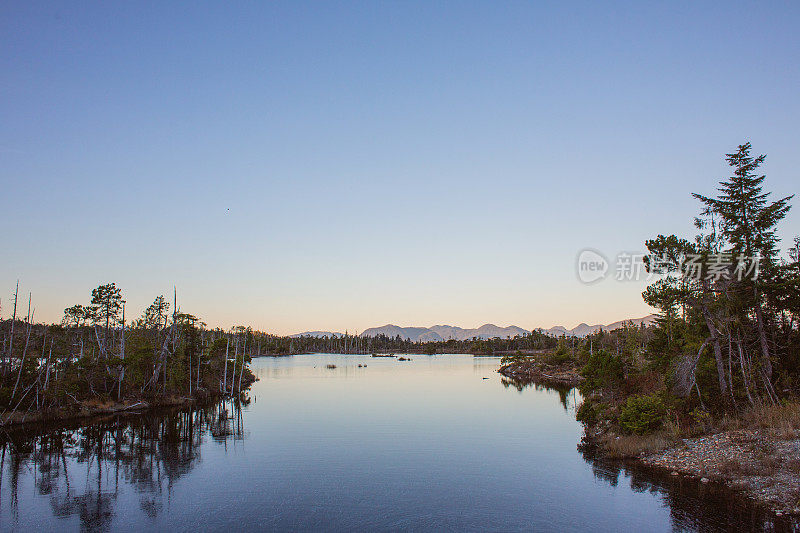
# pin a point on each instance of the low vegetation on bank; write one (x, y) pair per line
(557, 368)
(98, 360)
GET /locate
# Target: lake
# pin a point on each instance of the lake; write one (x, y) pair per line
(427, 444)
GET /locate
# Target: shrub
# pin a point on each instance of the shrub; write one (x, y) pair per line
(642, 414)
(559, 357)
(701, 418)
(587, 413)
(602, 370)
(518, 357)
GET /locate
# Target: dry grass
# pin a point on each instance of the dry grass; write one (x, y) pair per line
(98, 403)
(782, 421)
(783, 418)
(635, 445)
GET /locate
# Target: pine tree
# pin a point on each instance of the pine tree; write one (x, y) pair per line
(108, 299)
(747, 221)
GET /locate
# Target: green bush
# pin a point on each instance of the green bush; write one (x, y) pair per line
(587, 413)
(702, 418)
(602, 370)
(559, 357)
(642, 414)
(518, 357)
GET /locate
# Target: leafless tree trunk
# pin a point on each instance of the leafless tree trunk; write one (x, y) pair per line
(122, 355)
(225, 378)
(241, 373)
(25, 351)
(762, 338)
(189, 357)
(49, 358)
(745, 371)
(712, 328)
(10, 353)
(200, 355)
(235, 359)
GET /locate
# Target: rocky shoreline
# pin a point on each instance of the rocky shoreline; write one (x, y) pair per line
(761, 464)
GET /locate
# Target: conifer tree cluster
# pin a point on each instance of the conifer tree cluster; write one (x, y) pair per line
(728, 300)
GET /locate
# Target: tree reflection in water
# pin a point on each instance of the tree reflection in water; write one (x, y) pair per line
(81, 468)
(693, 506)
(567, 396)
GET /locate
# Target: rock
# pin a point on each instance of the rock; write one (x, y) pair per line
(703, 480)
(674, 473)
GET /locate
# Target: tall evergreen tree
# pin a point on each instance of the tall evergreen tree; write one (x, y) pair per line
(747, 221)
(108, 299)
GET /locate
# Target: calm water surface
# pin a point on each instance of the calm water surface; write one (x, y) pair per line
(421, 445)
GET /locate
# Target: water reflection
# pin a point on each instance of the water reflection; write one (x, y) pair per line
(81, 469)
(693, 506)
(425, 445)
(567, 396)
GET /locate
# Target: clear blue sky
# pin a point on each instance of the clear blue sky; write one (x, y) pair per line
(297, 166)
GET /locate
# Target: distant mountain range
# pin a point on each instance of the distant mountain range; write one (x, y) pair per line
(318, 334)
(443, 333)
(486, 331)
(582, 330)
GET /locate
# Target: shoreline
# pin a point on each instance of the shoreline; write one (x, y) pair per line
(87, 416)
(95, 408)
(537, 371)
(88, 409)
(762, 465)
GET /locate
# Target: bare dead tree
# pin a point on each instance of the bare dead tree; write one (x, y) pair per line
(225, 375)
(25, 351)
(10, 353)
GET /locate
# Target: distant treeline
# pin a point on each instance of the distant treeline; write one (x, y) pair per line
(346, 343)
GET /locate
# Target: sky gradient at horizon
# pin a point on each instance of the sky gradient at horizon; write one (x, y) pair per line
(341, 166)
